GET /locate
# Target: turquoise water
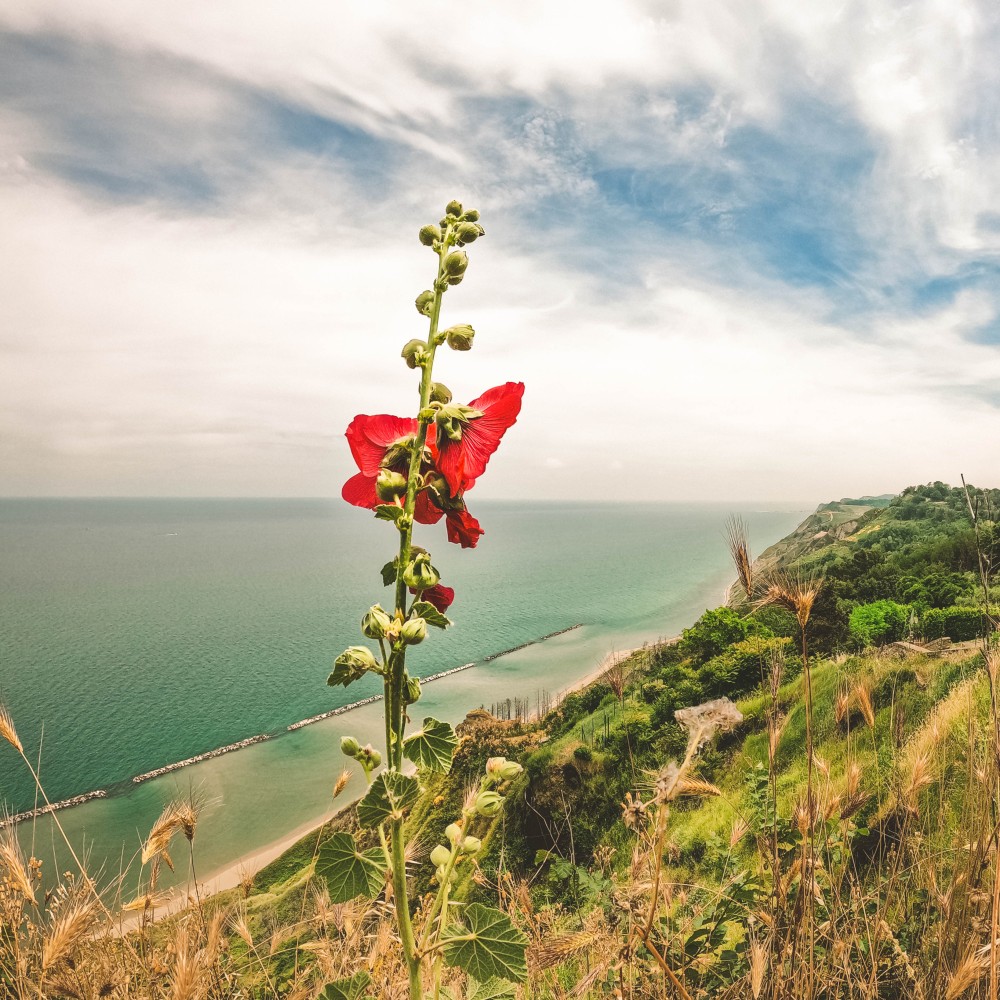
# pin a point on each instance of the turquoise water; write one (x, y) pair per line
(135, 633)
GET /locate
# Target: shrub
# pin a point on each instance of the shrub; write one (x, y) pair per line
(879, 622)
(715, 630)
(957, 623)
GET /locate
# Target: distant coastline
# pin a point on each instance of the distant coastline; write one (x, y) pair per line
(103, 793)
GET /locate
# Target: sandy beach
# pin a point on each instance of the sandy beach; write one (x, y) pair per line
(231, 875)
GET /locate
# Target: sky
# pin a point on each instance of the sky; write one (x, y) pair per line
(743, 250)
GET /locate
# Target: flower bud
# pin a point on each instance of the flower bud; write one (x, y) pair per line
(420, 574)
(471, 845)
(460, 337)
(428, 234)
(414, 631)
(453, 832)
(453, 208)
(389, 484)
(455, 264)
(471, 216)
(440, 856)
(411, 692)
(468, 232)
(440, 393)
(370, 757)
(352, 664)
(414, 353)
(424, 303)
(349, 746)
(375, 622)
(453, 279)
(488, 803)
(493, 766)
(510, 771)
(441, 874)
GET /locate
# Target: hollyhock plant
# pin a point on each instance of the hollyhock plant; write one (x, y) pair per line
(417, 470)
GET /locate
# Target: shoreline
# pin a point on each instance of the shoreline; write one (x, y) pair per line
(123, 787)
(229, 876)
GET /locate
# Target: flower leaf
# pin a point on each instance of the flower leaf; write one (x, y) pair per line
(348, 872)
(432, 747)
(486, 945)
(352, 988)
(390, 795)
(493, 989)
(389, 512)
(430, 614)
(389, 573)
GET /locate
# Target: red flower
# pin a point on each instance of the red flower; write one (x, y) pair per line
(463, 528)
(381, 441)
(462, 462)
(439, 595)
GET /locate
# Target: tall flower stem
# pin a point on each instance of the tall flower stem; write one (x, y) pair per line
(396, 664)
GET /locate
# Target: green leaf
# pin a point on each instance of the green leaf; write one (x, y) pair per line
(390, 795)
(347, 989)
(432, 747)
(348, 872)
(430, 614)
(389, 512)
(486, 945)
(389, 573)
(493, 989)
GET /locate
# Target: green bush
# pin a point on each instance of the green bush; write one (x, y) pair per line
(879, 622)
(715, 630)
(956, 623)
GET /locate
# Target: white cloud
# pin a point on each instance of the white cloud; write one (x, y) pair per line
(223, 350)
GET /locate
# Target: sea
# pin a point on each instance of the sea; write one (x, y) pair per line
(136, 634)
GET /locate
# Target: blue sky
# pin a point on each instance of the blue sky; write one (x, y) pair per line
(734, 250)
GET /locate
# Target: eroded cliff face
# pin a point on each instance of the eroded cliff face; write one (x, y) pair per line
(831, 522)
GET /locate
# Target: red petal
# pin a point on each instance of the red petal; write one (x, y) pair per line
(360, 491)
(425, 512)
(463, 462)
(440, 596)
(370, 436)
(463, 529)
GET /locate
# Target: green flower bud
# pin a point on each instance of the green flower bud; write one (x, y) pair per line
(351, 665)
(411, 692)
(414, 631)
(425, 300)
(375, 622)
(453, 279)
(414, 353)
(389, 484)
(468, 232)
(460, 337)
(420, 574)
(440, 393)
(471, 216)
(440, 856)
(349, 746)
(471, 845)
(455, 264)
(441, 874)
(369, 757)
(453, 832)
(428, 234)
(453, 208)
(510, 770)
(488, 803)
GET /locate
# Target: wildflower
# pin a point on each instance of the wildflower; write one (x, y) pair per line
(439, 595)
(463, 461)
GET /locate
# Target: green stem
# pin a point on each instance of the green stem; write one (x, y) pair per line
(396, 663)
(403, 920)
